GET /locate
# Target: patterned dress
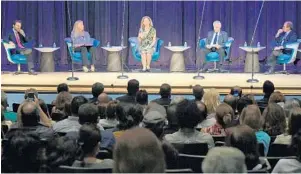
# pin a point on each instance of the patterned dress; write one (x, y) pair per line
(147, 40)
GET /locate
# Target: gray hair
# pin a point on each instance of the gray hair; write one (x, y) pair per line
(289, 105)
(224, 160)
(289, 24)
(217, 22)
(177, 100)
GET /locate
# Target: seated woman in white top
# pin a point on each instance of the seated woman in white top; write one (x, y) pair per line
(294, 124)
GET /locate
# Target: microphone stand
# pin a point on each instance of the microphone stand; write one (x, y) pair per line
(122, 76)
(252, 80)
(198, 76)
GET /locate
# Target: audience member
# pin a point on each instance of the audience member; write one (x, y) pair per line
(31, 90)
(89, 142)
(203, 114)
(289, 105)
(188, 115)
(165, 92)
(291, 165)
(142, 97)
(243, 102)
(8, 115)
(268, 88)
(274, 119)
(111, 119)
(294, 124)
(224, 160)
(62, 99)
(232, 101)
(8, 123)
(198, 92)
(132, 88)
(97, 89)
(176, 100)
(224, 116)
(236, 91)
(138, 151)
(212, 100)
(277, 97)
(173, 123)
(103, 99)
(62, 87)
(251, 116)
(243, 138)
(44, 107)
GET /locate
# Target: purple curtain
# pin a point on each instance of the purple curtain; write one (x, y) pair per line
(176, 22)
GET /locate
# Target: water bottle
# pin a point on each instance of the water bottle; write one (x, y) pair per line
(40, 45)
(185, 44)
(108, 44)
(54, 45)
(258, 44)
(169, 44)
(245, 45)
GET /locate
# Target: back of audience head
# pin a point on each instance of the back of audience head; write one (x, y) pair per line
(198, 92)
(135, 112)
(243, 102)
(176, 100)
(97, 89)
(243, 138)
(294, 122)
(203, 110)
(125, 121)
(44, 107)
(103, 99)
(22, 153)
(268, 88)
(138, 151)
(31, 90)
(111, 110)
(274, 119)
(251, 116)
(188, 114)
(76, 103)
(231, 101)
(62, 99)
(142, 97)
(212, 100)
(165, 90)
(224, 160)
(224, 114)
(172, 117)
(29, 114)
(236, 91)
(88, 113)
(133, 87)
(89, 141)
(289, 105)
(62, 87)
(276, 97)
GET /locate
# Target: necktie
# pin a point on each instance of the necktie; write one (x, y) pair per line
(18, 41)
(215, 39)
(284, 38)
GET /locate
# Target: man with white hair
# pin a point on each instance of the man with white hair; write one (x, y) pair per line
(215, 42)
(283, 37)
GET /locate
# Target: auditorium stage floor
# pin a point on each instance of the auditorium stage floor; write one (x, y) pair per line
(181, 82)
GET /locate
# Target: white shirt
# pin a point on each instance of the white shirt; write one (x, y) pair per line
(214, 37)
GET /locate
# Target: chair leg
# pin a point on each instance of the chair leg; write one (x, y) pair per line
(214, 69)
(18, 70)
(284, 71)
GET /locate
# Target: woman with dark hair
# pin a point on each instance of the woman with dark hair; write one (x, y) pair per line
(142, 97)
(243, 138)
(44, 107)
(224, 116)
(22, 153)
(294, 124)
(274, 119)
(291, 165)
(62, 100)
(89, 141)
(111, 119)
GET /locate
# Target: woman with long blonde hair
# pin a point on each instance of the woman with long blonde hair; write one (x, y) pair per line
(83, 43)
(147, 41)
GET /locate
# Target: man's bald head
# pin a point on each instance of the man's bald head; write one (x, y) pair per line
(29, 114)
(103, 98)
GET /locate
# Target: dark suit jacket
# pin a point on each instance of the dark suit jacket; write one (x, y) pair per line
(127, 99)
(25, 42)
(162, 101)
(222, 38)
(290, 38)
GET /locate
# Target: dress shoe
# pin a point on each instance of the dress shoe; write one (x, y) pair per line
(32, 72)
(148, 70)
(85, 69)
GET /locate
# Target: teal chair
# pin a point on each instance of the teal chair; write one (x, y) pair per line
(14, 58)
(76, 56)
(288, 58)
(135, 45)
(214, 56)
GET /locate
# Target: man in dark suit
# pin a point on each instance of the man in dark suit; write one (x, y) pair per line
(283, 37)
(165, 92)
(130, 97)
(215, 42)
(17, 37)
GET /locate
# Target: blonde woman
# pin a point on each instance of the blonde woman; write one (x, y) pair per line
(147, 41)
(211, 99)
(83, 43)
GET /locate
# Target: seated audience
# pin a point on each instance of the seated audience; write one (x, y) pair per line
(274, 119)
(173, 123)
(289, 105)
(22, 153)
(103, 99)
(236, 91)
(251, 116)
(291, 165)
(277, 97)
(165, 92)
(8, 115)
(132, 88)
(111, 119)
(224, 160)
(212, 100)
(243, 102)
(44, 107)
(198, 92)
(203, 113)
(232, 101)
(138, 151)
(62, 87)
(142, 97)
(188, 115)
(8, 123)
(89, 142)
(31, 90)
(268, 88)
(62, 100)
(97, 89)
(294, 124)
(243, 138)
(224, 116)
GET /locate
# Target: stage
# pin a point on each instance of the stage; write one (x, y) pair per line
(181, 82)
